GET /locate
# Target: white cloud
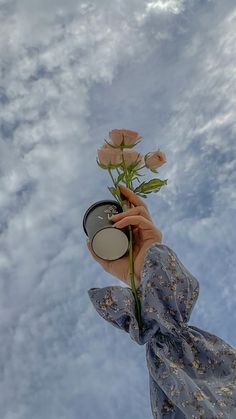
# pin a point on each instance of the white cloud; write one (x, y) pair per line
(70, 72)
(173, 6)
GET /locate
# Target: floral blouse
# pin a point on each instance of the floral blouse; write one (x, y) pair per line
(192, 373)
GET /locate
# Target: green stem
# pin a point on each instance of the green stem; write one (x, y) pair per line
(141, 167)
(114, 183)
(124, 167)
(131, 261)
(113, 180)
(131, 274)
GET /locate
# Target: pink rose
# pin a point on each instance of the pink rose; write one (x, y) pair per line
(131, 157)
(105, 145)
(129, 137)
(154, 159)
(108, 155)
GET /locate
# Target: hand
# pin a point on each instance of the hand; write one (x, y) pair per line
(144, 234)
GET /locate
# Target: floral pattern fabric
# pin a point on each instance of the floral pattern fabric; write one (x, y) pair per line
(192, 373)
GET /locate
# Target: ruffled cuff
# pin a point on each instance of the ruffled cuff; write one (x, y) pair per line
(160, 306)
(116, 304)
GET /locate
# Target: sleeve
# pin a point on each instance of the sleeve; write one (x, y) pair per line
(167, 293)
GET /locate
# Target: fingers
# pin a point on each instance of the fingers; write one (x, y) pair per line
(139, 210)
(137, 220)
(142, 226)
(132, 197)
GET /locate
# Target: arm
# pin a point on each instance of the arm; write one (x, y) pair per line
(168, 292)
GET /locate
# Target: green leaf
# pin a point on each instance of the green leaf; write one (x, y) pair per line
(153, 170)
(139, 174)
(120, 177)
(139, 188)
(121, 146)
(101, 165)
(152, 185)
(113, 146)
(131, 145)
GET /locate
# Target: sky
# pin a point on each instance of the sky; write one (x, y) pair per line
(69, 73)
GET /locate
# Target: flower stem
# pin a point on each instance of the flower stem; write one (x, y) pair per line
(131, 261)
(131, 274)
(113, 180)
(141, 167)
(117, 189)
(124, 167)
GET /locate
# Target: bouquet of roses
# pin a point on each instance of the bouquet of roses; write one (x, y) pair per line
(117, 155)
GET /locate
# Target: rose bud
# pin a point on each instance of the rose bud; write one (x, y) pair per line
(124, 137)
(154, 159)
(132, 157)
(109, 156)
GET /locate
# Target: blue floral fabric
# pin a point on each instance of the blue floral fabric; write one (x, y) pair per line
(192, 373)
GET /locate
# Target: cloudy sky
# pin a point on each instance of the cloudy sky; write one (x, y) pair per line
(70, 72)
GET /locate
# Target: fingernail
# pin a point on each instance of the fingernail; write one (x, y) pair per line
(117, 224)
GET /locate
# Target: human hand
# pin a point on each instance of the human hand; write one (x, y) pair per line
(144, 234)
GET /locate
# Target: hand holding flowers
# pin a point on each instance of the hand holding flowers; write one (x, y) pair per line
(118, 155)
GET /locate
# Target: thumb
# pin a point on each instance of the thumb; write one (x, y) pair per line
(91, 249)
(102, 262)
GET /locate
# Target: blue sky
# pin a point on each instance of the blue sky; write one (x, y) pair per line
(69, 74)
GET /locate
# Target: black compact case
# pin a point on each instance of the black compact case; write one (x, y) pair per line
(107, 242)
